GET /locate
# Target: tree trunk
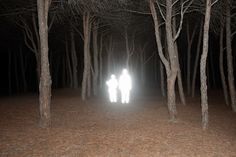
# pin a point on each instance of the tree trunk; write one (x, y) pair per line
(170, 76)
(86, 73)
(196, 63)
(127, 48)
(171, 79)
(95, 58)
(163, 91)
(230, 57)
(74, 61)
(179, 75)
(190, 42)
(204, 101)
(221, 66)
(101, 63)
(68, 66)
(45, 78)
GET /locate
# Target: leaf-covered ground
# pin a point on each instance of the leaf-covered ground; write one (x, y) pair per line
(98, 128)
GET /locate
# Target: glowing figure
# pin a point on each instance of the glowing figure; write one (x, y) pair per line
(125, 85)
(112, 84)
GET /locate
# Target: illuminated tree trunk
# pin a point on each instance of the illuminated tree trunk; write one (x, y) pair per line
(179, 75)
(230, 57)
(204, 101)
(170, 70)
(86, 88)
(45, 78)
(221, 66)
(171, 79)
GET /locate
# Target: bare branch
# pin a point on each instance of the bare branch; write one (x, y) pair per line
(214, 2)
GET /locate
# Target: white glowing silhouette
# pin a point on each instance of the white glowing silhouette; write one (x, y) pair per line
(112, 84)
(125, 85)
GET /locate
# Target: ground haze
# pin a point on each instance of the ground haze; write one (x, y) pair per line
(98, 128)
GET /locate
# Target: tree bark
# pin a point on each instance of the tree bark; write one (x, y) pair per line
(221, 66)
(204, 101)
(173, 62)
(171, 75)
(163, 91)
(179, 75)
(45, 77)
(87, 66)
(230, 57)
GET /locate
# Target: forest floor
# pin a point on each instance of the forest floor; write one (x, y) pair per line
(98, 128)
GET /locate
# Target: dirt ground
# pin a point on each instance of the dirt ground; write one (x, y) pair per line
(98, 128)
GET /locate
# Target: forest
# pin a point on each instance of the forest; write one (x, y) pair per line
(56, 56)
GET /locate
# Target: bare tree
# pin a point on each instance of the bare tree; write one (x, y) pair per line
(45, 77)
(95, 57)
(204, 99)
(221, 66)
(229, 56)
(190, 38)
(86, 82)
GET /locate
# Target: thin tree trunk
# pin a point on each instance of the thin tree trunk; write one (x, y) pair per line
(230, 57)
(86, 73)
(196, 63)
(74, 60)
(173, 62)
(221, 66)
(204, 101)
(171, 77)
(45, 78)
(127, 48)
(101, 63)
(163, 91)
(95, 58)
(190, 42)
(179, 75)
(68, 63)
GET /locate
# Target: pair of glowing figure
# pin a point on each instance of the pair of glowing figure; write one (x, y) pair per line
(124, 84)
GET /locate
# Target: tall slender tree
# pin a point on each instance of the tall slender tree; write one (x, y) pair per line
(230, 56)
(45, 77)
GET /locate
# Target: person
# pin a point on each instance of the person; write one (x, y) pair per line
(125, 85)
(112, 84)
